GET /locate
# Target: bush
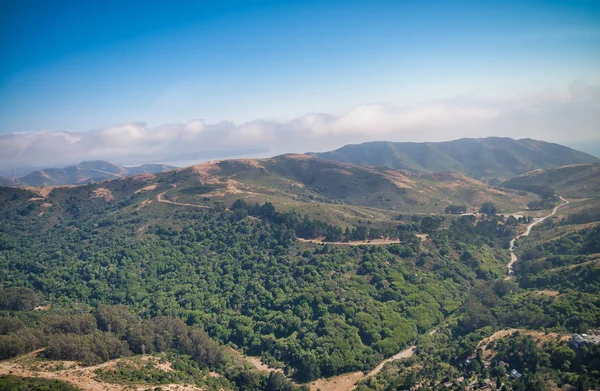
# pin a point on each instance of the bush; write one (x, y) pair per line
(14, 383)
(72, 324)
(18, 299)
(88, 349)
(20, 342)
(9, 324)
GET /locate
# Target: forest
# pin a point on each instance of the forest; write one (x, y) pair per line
(198, 282)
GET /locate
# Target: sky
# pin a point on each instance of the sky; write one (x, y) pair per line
(163, 81)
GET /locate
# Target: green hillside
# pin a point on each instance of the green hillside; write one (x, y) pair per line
(487, 158)
(200, 265)
(579, 180)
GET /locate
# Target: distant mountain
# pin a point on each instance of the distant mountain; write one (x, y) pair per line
(482, 158)
(82, 173)
(579, 180)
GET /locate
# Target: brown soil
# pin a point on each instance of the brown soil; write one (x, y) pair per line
(147, 188)
(142, 177)
(337, 383)
(399, 180)
(82, 377)
(207, 169)
(374, 242)
(345, 382)
(43, 192)
(101, 192)
(548, 293)
(257, 362)
(143, 203)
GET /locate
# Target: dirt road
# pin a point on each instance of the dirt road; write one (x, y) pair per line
(511, 248)
(374, 242)
(161, 199)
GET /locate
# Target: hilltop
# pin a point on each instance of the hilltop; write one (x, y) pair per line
(486, 158)
(84, 172)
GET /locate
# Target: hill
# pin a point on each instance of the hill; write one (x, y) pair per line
(172, 267)
(84, 172)
(486, 158)
(304, 179)
(578, 180)
(175, 259)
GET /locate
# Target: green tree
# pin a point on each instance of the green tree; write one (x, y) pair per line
(488, 208)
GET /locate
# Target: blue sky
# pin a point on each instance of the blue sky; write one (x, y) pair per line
(85, 65)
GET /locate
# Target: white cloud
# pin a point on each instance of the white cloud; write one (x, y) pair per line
(560, 116)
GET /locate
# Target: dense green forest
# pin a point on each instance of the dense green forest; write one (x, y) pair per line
(317, 310)
(543, 360)
(191, 281)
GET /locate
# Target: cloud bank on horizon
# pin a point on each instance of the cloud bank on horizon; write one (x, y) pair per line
(571, 116)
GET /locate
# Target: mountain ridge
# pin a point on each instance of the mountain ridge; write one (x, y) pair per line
(481, 158)
(87, 171)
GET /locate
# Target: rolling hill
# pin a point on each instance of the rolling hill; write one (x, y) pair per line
(84, 172)
(304, 179)
(169, 267)
(333, 192)
(486, 158)
(578, 180)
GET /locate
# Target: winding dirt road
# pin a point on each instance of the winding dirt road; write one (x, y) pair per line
(406, 353)
(511, 248)
(161, 199)
(372, 242)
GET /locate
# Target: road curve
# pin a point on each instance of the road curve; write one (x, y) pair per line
(511, 248)
(406, 353)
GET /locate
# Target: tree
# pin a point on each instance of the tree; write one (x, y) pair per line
(512, 221)
(431, 223)
(488, 208)
(18, 299)
(276, 381)
(308, 367)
